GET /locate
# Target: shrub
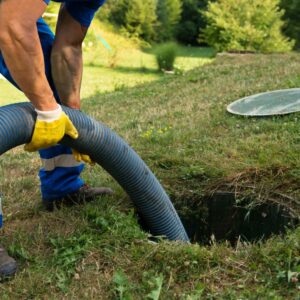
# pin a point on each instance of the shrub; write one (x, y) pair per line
(243, 25)
(165, 56)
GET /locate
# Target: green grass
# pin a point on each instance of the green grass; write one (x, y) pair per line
(106, 72)
(9, 94)
(133, 67)
(125, 65)
(180, 127)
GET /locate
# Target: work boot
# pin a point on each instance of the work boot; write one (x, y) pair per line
(8, 266)
(85, 194)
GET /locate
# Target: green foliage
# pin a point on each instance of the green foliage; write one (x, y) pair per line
(19, 252)
(165, 56)
(243, 25)
(67, 253)
(191, 21)
(156, 291)
(146, 19)
(291, 15)
(121, 286)
(140, 17)
(136, 18)
(114, 11)
(168, 15)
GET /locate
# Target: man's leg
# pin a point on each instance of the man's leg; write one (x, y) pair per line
(60, 181)
(73, 22)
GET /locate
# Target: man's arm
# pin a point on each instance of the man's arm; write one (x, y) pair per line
(22, 52)
(66, 58)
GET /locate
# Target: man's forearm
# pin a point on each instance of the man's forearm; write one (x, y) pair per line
(22, 52)
(66, 63)
(25, 62)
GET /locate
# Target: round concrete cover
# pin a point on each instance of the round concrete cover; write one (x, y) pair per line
(267, 104)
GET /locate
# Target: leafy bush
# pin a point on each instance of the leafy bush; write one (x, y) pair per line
(165, 56)
(168, 15)
(243, 25)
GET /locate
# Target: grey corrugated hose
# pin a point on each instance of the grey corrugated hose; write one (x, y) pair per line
(113, 154)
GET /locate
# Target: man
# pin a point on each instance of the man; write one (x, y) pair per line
(48, 69)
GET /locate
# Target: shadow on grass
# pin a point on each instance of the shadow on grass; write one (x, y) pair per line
(192, 52)
(123, 69)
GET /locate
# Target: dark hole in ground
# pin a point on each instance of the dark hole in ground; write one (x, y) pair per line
(222, 217)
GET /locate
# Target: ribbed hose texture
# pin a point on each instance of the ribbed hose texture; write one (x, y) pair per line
(112, 153)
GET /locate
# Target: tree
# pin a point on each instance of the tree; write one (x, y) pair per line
(168, 15)
(136, 17)
(191, 21)
(140, 18)
(243, 25)
(292, 17)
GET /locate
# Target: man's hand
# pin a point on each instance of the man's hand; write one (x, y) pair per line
(82, 157)
(50, 128)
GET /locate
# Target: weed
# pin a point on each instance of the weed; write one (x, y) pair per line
(19, 252)
(156, 289)
(67, 253)
(156, 134)
(121, 286)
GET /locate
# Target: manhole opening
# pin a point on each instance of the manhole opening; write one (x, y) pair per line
(221, 217)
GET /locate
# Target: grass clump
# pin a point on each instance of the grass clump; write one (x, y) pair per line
(165, 55)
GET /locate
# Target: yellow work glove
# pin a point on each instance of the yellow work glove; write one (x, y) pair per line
(82, 157)
(50, 128)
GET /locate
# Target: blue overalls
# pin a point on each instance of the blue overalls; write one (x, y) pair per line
(60, 172)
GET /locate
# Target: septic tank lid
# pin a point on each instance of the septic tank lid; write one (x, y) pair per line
(278, 102)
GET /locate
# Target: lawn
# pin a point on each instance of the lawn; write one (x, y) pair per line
(180, 127)
(124, 65)
(106, 71)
